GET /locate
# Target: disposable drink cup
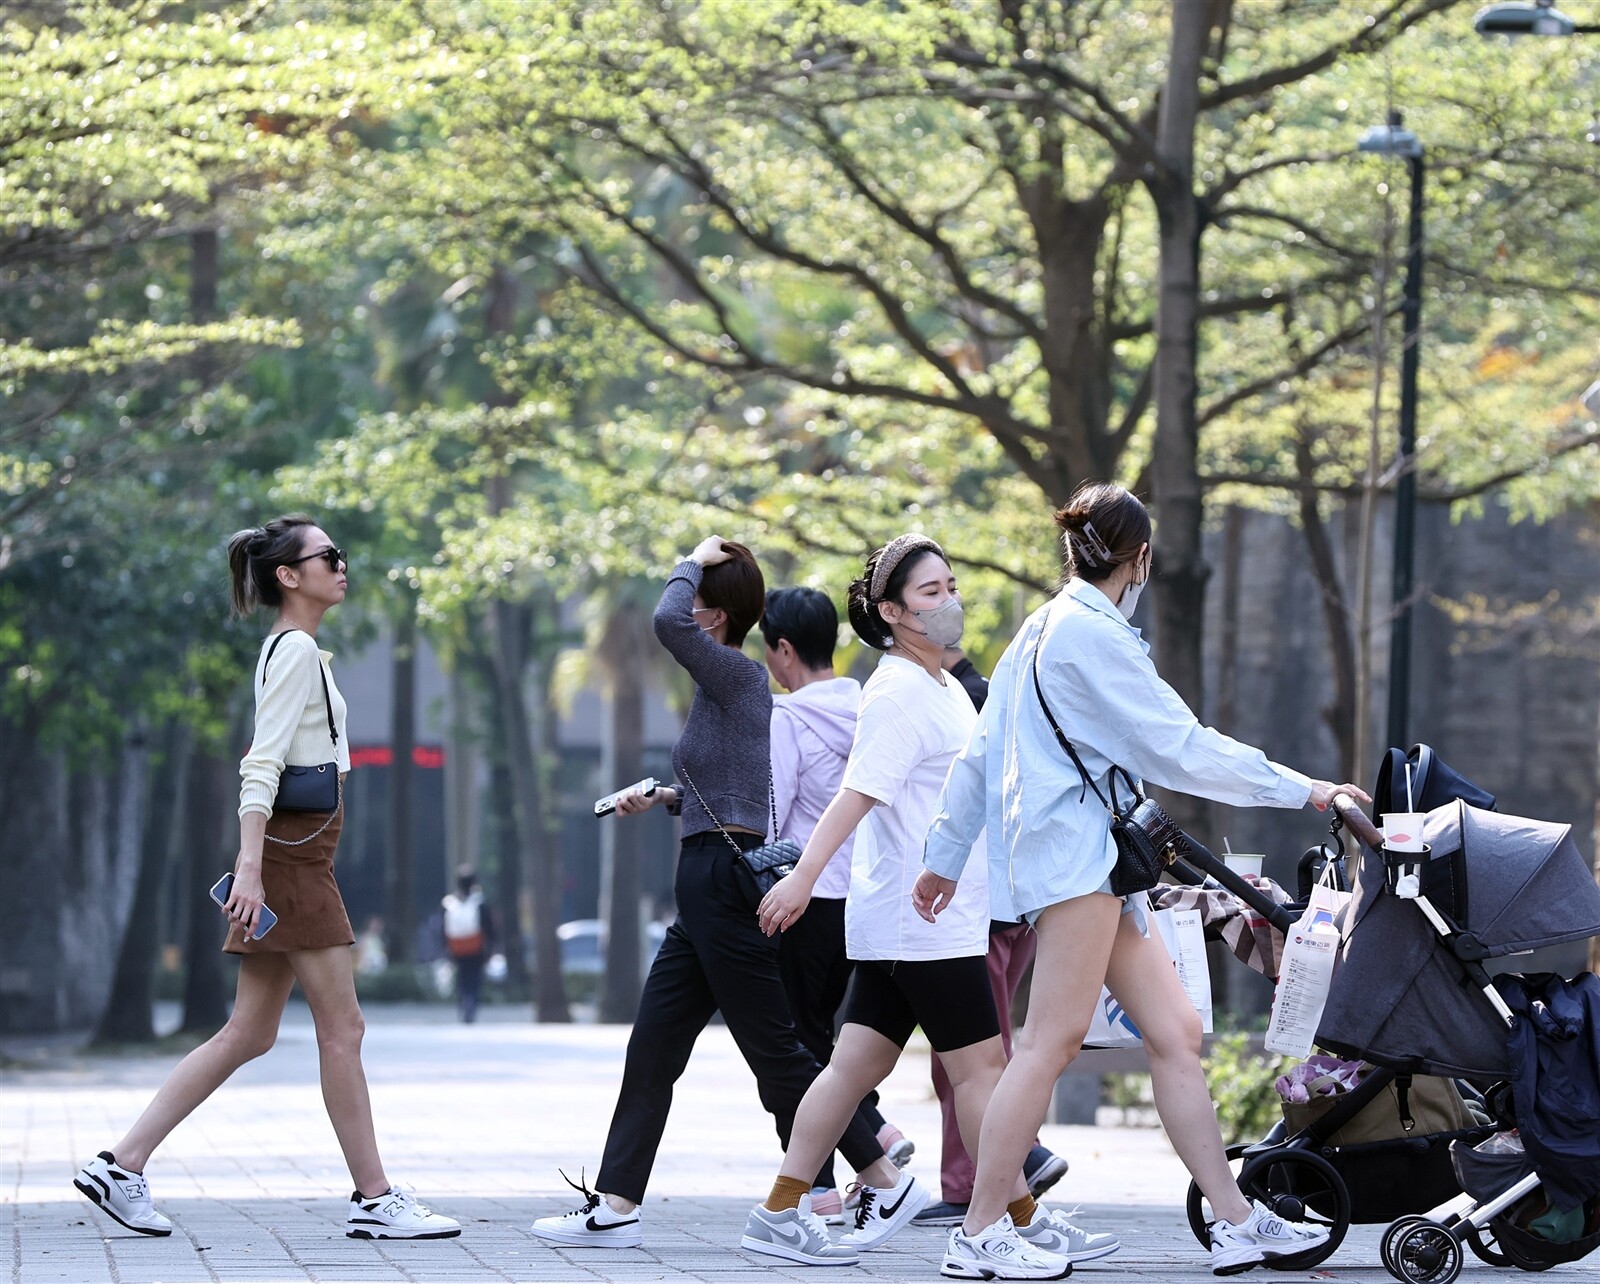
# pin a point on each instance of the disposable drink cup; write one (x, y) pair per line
(1243, 865)
(1402, 831)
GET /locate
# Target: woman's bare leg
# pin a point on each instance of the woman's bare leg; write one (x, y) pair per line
(1141, 978)
(1075, 939)
(974, 1072)
(327, 979)
(861, 1060)
(264, 984)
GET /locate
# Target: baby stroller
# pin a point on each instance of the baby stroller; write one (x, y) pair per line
(1316, 1175)
(1412, 998)
(1412, 994)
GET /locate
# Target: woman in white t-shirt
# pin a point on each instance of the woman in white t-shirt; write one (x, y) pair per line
(914, 719)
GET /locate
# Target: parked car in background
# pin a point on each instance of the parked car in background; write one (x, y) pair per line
(583, 946)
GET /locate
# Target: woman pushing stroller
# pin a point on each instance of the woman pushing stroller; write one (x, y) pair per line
(1051, 853)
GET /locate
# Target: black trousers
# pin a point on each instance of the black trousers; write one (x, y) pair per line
(816, 973)
(714, 958)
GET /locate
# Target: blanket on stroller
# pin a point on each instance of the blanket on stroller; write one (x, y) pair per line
(1555, 1077)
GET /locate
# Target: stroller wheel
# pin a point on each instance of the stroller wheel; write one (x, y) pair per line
(1395, 1229)
(1485, 1246)
(1300, 1186)
(1195, 1205)
(1425, 1254)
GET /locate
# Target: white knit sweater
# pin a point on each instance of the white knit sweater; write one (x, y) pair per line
(291, 719)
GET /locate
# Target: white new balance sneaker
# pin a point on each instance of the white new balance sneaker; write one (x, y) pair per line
(121, 1193)
(1052, 1232)
(999, 1253)
(1261, 1237)
(884, 1212)
(396, 1214)
(796, 1235)
(594, 1224)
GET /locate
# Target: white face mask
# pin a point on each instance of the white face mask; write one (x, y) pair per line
(1130, 595)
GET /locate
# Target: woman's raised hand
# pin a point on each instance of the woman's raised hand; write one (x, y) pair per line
(709, 551)
(1322, 792)
(633, 802)
(782, 907)
(931, 893)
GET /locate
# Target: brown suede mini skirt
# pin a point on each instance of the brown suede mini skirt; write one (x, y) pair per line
(298, 886)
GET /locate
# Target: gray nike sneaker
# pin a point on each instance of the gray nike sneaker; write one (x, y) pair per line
(1053, 1232)
(796, 1235)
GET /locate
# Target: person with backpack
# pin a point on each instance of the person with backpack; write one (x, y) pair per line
(468, 940)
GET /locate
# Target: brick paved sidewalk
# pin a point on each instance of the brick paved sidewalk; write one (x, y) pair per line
(478, 1118)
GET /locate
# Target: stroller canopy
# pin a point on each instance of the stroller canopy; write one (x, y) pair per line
(1400, 997)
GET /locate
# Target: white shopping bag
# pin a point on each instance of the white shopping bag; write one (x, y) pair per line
(1306, 973)
(1112, 1027)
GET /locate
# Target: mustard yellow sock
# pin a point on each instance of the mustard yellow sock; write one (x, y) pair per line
(1022, 1210)
(786, 1193)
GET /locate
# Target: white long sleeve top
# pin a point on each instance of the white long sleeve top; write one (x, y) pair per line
(1049, 836)
(291, 719)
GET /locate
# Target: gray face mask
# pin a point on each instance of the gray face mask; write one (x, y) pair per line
(942, 625)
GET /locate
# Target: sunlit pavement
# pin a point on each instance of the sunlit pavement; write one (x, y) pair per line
(479, 1118)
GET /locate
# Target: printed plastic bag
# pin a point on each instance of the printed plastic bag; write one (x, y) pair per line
(1112, 1027)
(1306, 974)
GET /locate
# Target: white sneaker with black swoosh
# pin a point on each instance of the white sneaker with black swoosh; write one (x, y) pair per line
(796, 1235)
(883, 1212)
(595, 1224)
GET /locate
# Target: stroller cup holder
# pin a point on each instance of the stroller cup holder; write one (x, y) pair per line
(1405, 871)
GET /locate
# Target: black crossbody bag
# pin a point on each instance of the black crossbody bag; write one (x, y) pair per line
(1147, 839)
(761, 867)
(308, 788)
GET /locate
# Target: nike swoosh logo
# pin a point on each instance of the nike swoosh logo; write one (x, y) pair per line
(889, 1210)
(593, 1225)
(789, 1234)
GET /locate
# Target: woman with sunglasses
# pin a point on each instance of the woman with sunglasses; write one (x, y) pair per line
(285, 863)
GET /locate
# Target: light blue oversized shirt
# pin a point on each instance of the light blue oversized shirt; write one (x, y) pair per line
(1049, 838)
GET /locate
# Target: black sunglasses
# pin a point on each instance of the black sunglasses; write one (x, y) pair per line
(331, 555)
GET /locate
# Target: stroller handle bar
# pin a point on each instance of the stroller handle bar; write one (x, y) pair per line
(1356, 821)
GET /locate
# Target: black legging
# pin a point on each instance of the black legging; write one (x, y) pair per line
(714, 958)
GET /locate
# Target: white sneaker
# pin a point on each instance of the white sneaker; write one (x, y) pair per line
(796, 1235)
(998, 1253)
(595, 1224)
(123, 1194)
(897, 1147)
(1261, 1237)
(883, 1212)
(1052, 1233)
(396, 1214)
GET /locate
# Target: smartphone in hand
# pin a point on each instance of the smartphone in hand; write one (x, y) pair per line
(223, 888)
(605, 806)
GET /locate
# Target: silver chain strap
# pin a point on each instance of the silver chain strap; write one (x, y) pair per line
(301, 842)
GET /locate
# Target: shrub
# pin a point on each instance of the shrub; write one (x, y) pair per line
(1241, 1086)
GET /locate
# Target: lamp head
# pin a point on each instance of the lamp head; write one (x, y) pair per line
(1391, 140)
(1522, 18)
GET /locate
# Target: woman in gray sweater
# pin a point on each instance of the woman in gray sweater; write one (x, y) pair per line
(715, 956)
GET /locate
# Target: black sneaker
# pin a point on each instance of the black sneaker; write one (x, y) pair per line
(942, 1213)
(1042, 1169)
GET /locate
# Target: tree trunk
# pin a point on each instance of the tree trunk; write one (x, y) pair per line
(509, 629)
(400, 882)
(548, 874)
(1341, 714)
(503, 817)
(207, 825)
(128, 1016)
(620, 890)
(1179, 598)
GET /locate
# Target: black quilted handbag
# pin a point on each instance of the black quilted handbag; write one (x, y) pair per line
(760, 867)
(1147, 839)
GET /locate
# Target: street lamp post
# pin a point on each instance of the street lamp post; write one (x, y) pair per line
(1393, 140)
